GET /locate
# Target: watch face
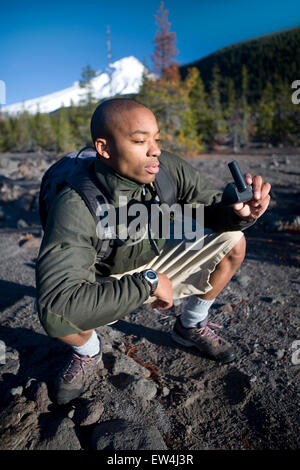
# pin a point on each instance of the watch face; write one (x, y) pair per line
(151, 275)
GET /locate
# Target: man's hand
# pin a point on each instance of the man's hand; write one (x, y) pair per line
(163, 293)
(253, 209)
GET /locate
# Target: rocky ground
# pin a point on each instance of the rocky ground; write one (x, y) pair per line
(150, 393)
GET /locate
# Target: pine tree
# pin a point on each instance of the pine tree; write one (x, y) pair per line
(198, 117)
(85, 82)
(233, 116)
(43, 133)
(169, 103)
(76, 115)
(219, 124)
(266, 115)
(87, 74)
(64, 140)
(284, 115)
(165, 96)
(7, 134)
(165, 49)
(245, 109)
(23, 132)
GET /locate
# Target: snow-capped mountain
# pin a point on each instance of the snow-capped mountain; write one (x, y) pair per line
(126, 77)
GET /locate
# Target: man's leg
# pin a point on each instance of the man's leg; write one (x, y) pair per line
(77, 339)
(225, 270)
(197, 308)
(86, 355)
(194, 320)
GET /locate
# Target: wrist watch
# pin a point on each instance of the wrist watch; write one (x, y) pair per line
(152, 279)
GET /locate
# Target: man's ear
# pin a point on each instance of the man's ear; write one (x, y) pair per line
(102, 147)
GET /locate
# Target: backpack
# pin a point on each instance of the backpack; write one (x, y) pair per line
(75, 170)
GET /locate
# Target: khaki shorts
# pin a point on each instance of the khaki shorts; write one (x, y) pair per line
(188, 268)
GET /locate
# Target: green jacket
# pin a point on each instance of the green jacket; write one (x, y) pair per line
(74, 293)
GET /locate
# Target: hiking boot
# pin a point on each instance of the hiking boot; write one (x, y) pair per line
(72, 380)
(205, 340)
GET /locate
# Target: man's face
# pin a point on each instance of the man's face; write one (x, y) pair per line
(133, 150)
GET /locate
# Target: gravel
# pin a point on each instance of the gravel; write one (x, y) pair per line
(164, 396)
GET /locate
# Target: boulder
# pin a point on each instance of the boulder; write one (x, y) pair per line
(18, 424)
(63, 438)
(87, 412)
(124, 435)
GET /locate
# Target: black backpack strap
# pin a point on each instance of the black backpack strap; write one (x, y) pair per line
(82, 150)
(84, 182)
(165, 186)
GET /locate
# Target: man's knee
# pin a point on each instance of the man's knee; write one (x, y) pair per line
(76, 339)
(237, 254)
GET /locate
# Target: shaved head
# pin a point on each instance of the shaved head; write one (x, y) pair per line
(107, 116)
(126, 136)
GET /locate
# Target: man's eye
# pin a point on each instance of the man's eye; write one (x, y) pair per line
(139, 141)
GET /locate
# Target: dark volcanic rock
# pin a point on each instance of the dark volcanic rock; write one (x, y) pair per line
(88, 412)
(10, 362)
(63, 437)
(18, 423)
(123, 435)
(38, 392)
(143, 388)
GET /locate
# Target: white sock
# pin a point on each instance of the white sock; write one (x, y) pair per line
(90, 348)
(195, 312)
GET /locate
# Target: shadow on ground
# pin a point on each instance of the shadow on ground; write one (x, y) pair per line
(11, 293)
(40, 357)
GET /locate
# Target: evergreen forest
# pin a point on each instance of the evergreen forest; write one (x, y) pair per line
(238, 97)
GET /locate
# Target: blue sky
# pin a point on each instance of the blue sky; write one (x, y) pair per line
(44, 45)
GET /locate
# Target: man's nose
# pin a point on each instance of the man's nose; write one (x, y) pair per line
(154, 149)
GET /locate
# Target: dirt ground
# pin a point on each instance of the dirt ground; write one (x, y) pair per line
(251, 403)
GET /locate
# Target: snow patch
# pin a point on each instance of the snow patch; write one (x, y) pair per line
(126, 77)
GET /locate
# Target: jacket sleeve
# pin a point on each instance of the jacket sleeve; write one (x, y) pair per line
(67, 290)
(194, 187)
